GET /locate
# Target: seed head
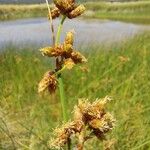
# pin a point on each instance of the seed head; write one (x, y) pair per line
(64, 5)
(68, 63)
(104, 124)
(68, 48)
(69, 38)
(68, 8)
(55, 13)
(49, 82)
(77, 57)
(52, 51)
(68, 55)
(91, 117)
(76, 12)
(64, 133)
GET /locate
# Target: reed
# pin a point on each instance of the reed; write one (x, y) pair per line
(87, 117)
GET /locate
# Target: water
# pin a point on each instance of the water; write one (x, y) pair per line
(36, 31)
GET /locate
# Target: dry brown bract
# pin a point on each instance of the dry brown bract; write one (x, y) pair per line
(87, 116)
(49, 82)
(68, 8)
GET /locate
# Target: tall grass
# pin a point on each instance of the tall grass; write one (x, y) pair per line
(121, 71)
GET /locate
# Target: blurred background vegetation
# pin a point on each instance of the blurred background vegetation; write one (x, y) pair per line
(42, 1)
(120, 70)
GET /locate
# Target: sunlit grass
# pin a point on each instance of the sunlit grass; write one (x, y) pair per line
(121, 71)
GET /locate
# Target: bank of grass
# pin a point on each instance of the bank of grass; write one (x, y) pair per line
(10, 11)
(138, 12)
(122, 71)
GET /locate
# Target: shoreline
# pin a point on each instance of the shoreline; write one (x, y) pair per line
(133, 12)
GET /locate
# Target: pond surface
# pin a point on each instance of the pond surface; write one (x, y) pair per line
(36, 31)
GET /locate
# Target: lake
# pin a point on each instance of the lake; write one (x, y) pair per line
(36, 31)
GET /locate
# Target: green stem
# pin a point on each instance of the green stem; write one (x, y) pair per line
(59, 30)
(60, 81)
(62, 98)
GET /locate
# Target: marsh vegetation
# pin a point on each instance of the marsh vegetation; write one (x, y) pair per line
(121, 71)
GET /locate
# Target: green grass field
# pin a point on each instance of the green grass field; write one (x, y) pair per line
(10, 11)
(136, 12)
(121, 71)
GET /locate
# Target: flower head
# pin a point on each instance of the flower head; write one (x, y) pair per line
(65, 51)
(66, 58)
(49, 82)
(64, 133)
(68, 8)
(55, 13)
(92, 117)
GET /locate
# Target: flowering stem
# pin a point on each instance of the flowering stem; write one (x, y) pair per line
(62, 98)
(60, 81)
(59, 30)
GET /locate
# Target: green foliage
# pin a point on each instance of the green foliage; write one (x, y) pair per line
(138, 12)
(120, 70)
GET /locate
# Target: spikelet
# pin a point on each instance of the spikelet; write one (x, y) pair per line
(64, 5)
(68, 48)
(93, 110)
(64, 133)
(68, 63)
(76, 12)
(77, 57)
(55, 13)
(47, 51)
(96, 109)
(69, 38)
(69, 8)
(78, 118)
(78, 115)
(49, 82)
(104, 124)
(52, 51)
(95, 115)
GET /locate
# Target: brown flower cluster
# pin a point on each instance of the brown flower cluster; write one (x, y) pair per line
(65, 51)
(67, 8)
(66, 58)
(49, 82)
(87, 116)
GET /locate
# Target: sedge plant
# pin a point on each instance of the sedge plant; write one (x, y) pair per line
(90, 119)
